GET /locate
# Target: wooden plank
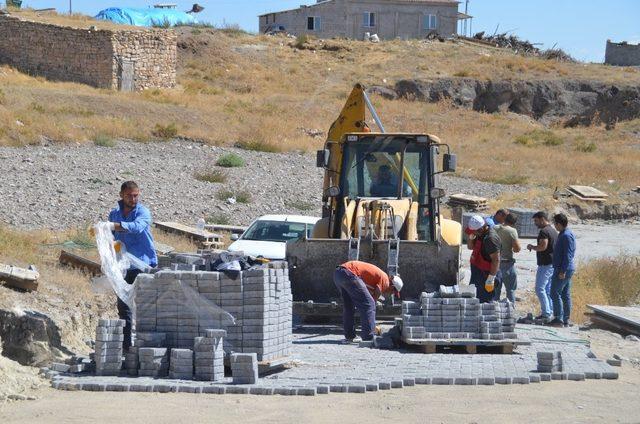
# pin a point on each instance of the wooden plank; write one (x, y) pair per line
(234, 229)
(20, 278)
(428, 348)
(185, 230)
(79, 262)
(471, 349)
(467, 198)
(587, 191)
(624, 317)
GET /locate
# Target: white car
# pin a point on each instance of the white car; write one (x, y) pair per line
(267, 236)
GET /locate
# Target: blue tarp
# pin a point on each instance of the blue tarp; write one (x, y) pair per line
(146, 17)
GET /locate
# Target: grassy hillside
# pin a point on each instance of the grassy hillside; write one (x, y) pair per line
(274, 94)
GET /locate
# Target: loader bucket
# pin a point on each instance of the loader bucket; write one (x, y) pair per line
(423, 266)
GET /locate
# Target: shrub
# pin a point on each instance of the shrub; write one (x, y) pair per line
(300, 205)
(165, 132)
(212, 176)
(241, 196)
(583, 146)
(230, 160)
(463, 73)
(511, 179)
(220, 219)
(104, 140)
(2, 97)
(536, 137)
(257, 146)
(38, 107)
(607, 281)
(301, 41)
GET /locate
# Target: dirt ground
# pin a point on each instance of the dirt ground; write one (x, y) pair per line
(589, 401)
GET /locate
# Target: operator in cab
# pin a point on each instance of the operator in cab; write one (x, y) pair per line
(360, 284)
(386, 184)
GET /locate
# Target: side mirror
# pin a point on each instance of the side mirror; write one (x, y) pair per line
(322, 158)
(234, 237)
(449, 162)
(333, 191)
(437, 193)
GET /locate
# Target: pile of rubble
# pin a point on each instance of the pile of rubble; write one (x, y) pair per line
(518, 45)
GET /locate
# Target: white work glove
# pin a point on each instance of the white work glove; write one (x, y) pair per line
(112, 226)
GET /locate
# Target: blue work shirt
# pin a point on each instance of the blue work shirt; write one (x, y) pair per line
(564, 250)
(490, 221)
(137, 232)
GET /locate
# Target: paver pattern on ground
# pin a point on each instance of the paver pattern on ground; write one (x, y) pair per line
(321, 363)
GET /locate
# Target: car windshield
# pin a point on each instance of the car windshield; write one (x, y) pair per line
(278, 231)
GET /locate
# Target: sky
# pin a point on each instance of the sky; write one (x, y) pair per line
(580, 27)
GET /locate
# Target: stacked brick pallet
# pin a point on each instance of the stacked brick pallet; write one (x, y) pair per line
(154, 362)
(254, 309)
(457, 318)
(209, 356)
(181, 364)
(244, 368)
(108, 353)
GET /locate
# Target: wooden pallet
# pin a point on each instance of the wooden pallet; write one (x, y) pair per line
(587, 193)
(471, 345)
(619, 318)
(205, 238)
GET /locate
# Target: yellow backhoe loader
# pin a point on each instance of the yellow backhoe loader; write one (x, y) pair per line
(381, 204)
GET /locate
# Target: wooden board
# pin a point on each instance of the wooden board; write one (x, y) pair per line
(191, 232)
(20, 278)
(79, 262)
(467, 198)
(587, 192)
(625, 319)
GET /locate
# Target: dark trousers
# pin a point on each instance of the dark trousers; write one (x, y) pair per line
(478, 278)
(561, 295)
(124, 312)
(355, 296)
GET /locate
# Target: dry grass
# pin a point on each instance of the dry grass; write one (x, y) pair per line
(76, 20)
(262, 93)
(606, 281)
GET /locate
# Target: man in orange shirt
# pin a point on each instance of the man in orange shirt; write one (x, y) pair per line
(360, 285)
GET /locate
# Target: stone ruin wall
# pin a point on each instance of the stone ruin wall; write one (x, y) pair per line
(89, 56)
(622, 54)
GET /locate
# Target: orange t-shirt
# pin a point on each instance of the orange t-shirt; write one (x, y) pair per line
(372, 276)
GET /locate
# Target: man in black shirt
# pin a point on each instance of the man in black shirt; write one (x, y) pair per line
(544, 252)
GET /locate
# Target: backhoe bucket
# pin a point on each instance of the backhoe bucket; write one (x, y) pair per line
(423, 266)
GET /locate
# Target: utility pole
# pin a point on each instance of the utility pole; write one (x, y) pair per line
(466, 10)
(70, 9)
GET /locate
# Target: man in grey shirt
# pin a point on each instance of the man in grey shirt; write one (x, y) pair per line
(509, 245)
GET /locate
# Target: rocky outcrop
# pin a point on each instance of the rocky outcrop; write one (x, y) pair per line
(30, 338)
(566, 101)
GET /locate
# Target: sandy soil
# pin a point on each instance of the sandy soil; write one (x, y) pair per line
(588, 401)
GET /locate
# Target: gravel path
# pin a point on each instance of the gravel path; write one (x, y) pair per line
(69, 185)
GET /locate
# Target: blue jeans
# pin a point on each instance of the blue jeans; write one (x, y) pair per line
(509, 278)
(355, 296)
(543, 288)
(561, 295)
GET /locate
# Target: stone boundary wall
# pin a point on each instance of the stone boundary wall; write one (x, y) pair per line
(622, 54)
(127, 59)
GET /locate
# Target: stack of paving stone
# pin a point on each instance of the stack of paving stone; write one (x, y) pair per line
(549, 362)
(108, 350)
(151, 339)
(244, 368)
(453, 314)
(181, 364)
(254, 308)
(154, 361)
(209, 356)
(131, 362)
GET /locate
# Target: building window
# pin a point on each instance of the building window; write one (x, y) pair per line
(368, 20)
(313, 23)
(430, 22)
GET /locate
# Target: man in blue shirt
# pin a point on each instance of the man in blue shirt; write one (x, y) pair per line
(131, 223)
(564, 252)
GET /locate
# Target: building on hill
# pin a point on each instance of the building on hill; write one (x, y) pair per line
(354, 18)
(622, 54)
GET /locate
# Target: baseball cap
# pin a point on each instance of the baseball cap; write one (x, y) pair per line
(476, 222)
